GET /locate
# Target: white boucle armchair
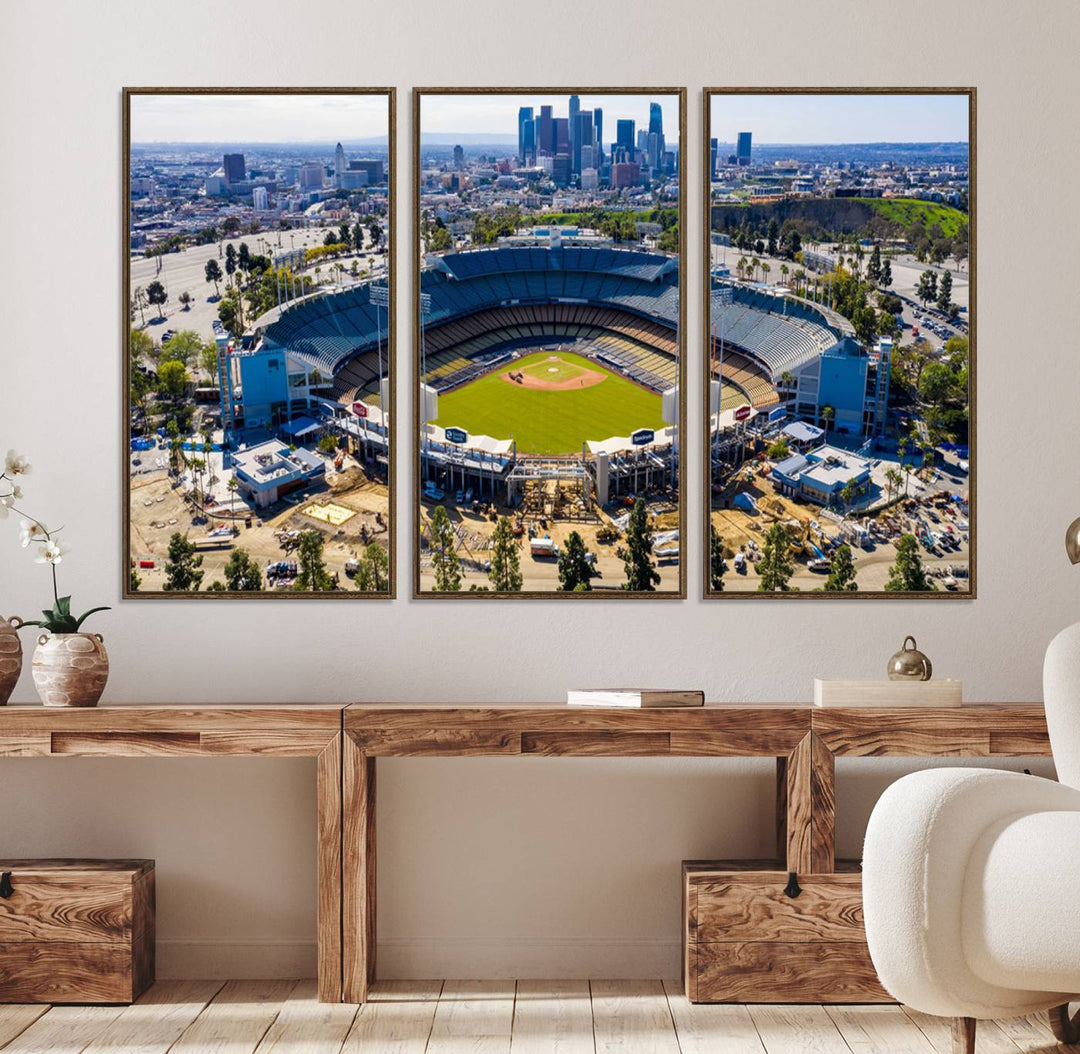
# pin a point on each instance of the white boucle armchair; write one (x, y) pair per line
(971, 880)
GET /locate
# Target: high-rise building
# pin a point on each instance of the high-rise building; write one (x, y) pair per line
(625, 174)
(624, 137)
(259, 199)
(341, 166)
(742, 151)
(598, 127)
(582, 137)
(590, 178)
(656, 118)
(545, 139)
(459, 156)
(234, 168)
(575, 107)
(526, 134)
(656, 127)
(714, 150)
(311, 176)
(560, 170)
(561, 134)
(373, 166)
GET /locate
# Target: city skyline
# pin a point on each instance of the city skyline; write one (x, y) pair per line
(496, 114)
(258, 119)
(810, 119)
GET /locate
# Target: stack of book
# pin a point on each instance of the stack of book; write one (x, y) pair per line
(634, 697)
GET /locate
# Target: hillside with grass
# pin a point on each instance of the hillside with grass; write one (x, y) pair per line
(906, 212)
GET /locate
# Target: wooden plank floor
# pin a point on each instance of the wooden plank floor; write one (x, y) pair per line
(484, 1017)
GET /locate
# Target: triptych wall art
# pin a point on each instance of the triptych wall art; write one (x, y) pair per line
(550, 361)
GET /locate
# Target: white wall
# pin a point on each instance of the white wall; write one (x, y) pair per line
(549, 865)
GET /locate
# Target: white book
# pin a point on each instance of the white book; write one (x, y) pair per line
(634, 697)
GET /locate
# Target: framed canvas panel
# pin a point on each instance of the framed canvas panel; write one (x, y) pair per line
(549, 401)
(259, 342)
(839, 328)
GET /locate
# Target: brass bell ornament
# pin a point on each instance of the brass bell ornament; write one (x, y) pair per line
(909, 664)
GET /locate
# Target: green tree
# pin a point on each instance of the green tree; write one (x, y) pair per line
(944, 297)
(444, 558)
(841, 572)
(779, 449)
(230, 260)
(775, 567)
(328, 444)
(505, 571)
(575, 571)
(242, 573)
(140, 347)
(156, 296)
(183, 346)
(173, 379)
(312, 575)
(907, 574)
(209, 360)
(886, 273)
(873, 268)
(937, 385)
(345, 235)
(717, 561)
(926, 290)
(773, 231)
(828, 415)
(182, 571)
(212, 271)
(373, 572)
(641, 573)
(439, 240)
(185, 300)
(134, 581)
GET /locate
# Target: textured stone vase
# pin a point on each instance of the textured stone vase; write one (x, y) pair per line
(70, 669)
(10, 656)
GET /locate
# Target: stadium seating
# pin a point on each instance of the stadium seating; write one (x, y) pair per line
(781, 333)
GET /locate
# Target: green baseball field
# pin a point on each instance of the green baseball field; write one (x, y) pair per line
(560, 400)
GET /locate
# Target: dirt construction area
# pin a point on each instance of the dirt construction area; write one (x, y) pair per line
(541, 573)
(159, 508)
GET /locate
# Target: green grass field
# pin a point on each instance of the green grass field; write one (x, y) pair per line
(550, 422)
(907, 211)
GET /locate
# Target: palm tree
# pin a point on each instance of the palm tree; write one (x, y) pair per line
(827, 415)
(893, 478)
(765, 269)
(784, 269)
(139, 298)
(787, 382)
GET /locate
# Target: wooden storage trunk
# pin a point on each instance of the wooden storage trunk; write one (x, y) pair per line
(746, 940)
(76, 931)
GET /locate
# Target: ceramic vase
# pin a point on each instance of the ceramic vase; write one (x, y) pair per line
(10, 656)
(70, 669)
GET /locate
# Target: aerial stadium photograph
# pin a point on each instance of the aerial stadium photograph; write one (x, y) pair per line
(549, 329)
(839, 328)
(259, 342)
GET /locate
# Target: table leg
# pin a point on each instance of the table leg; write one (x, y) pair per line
(358, 890)
(806, 807)
(329, 868)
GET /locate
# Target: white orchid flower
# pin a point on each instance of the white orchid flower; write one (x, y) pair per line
(52, 552)
(31, 531)
(16, 464)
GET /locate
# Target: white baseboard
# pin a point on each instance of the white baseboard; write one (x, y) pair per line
(417, 958)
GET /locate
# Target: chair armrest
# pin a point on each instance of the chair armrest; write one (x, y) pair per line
(919, 841)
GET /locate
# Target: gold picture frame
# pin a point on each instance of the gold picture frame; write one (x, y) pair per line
(387, 344)
(604, 589)
(710, 342)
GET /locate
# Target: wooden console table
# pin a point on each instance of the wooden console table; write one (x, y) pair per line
(210, 731)
(805, 741)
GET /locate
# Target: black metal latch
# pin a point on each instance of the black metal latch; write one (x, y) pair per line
(792, 889)
(5, 885)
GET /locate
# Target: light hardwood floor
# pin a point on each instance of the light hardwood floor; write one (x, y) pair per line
(483, 1017)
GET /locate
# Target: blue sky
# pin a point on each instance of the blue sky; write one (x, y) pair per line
(854, 118)
(282, 118)
(475, 114)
